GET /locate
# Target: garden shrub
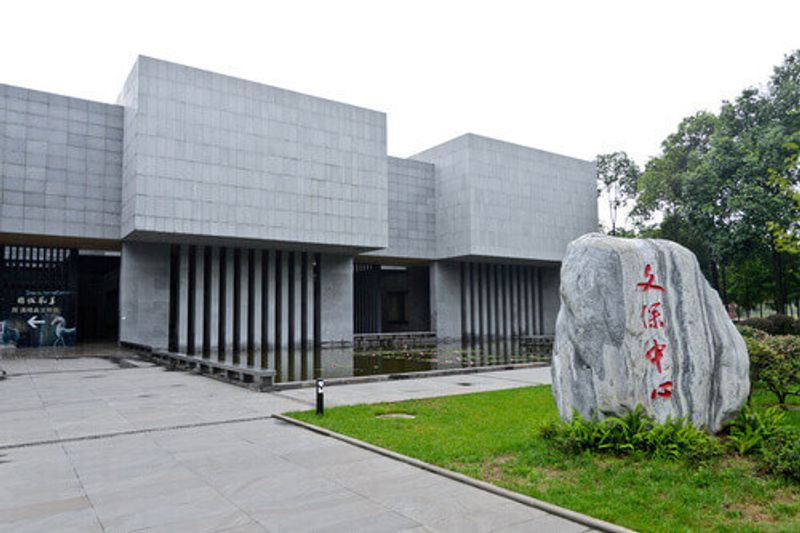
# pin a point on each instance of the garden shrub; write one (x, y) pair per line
(782, 455)
(752, 430)
(634, 432)
(778, 366)
(749, 332)
(773, 324)
(761, 324)
(759, 353)
(783, 325)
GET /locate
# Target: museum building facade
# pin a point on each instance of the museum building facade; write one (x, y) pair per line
(229, 220)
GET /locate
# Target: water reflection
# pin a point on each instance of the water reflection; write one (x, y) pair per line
(348, 362)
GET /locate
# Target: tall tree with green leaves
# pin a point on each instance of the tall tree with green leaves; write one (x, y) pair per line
(726, 186)
(617, 177)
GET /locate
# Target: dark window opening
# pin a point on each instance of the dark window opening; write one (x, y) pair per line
(391, 298)
(394, 313)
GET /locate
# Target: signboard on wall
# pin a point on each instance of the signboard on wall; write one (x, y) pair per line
(38, 318)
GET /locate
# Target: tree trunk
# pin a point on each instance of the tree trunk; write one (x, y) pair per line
(779, 282)
(781, 400)
(723, 287)
(712, 270)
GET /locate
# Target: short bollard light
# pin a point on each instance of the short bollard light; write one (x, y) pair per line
(320, 397)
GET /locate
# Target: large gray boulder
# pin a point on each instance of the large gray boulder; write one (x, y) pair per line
(639, 324)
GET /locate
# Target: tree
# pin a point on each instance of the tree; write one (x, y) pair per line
(726, 187)
(617, 177)
(749, 282)
(660, 187)
(681, 187)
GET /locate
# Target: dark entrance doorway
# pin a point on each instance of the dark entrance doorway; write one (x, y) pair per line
(98, 297)
(37, 296)
(57, 296)
(391, 298)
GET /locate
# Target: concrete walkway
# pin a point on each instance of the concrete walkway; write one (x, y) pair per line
(91, 444)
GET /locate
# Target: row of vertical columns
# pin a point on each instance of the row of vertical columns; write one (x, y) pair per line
(500, 301)
(367, 311)
(246, 307)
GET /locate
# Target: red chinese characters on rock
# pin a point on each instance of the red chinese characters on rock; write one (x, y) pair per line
(650, 283)
(664, 391)
(655, 354)
(653, 319)
(651, 316)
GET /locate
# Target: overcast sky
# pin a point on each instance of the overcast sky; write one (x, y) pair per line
(577, 78)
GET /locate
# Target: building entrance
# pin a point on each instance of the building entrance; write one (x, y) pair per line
(56, 296)
(98, 297)
(391, 299)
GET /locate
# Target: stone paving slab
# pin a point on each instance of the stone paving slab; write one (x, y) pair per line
(406, 389)
(228, 467)
(70, 403)
(259, 475)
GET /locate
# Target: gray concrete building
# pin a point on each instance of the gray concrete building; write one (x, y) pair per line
(242, 224)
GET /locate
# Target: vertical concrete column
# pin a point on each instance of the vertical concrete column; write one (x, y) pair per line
(445, 289)
(507, 310)
(243, 309)
(298, 304)
(538, 294)
(498, 301)
(268, 322)
(465, 307)
(336, 299)
(550, 299)
(482, 301)
(198, 299)
(213, 323)
(280, 314)
(144, 294)
(532, 295)
(284, 310)
(291, 316)
(183, 299)
(309, 316)
(489, 302)
(520, 302)
(255, 312)
(528, 300)
(227, 305)
(298, 317)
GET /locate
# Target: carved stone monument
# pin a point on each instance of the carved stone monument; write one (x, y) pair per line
(639, 324)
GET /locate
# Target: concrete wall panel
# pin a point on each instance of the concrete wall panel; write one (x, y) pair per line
(337, 298)
(497, 199)
(144, 294)
(446, 300)
(60, 165)
(208, 154)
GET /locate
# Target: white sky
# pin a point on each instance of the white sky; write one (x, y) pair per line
(578, 78)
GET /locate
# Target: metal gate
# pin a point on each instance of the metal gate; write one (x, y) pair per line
(37, 296)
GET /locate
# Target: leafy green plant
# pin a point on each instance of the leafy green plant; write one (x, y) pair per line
(760, 354)
(634, 432)
(773, 325)
(749, 332)
(752, 430)
(782, 455)
(778, 367)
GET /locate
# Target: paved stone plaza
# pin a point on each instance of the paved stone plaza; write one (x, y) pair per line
(96, 444)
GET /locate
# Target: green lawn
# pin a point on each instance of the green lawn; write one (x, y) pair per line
(494, 436)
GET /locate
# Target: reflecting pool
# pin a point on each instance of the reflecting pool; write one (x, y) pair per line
(349, 362)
